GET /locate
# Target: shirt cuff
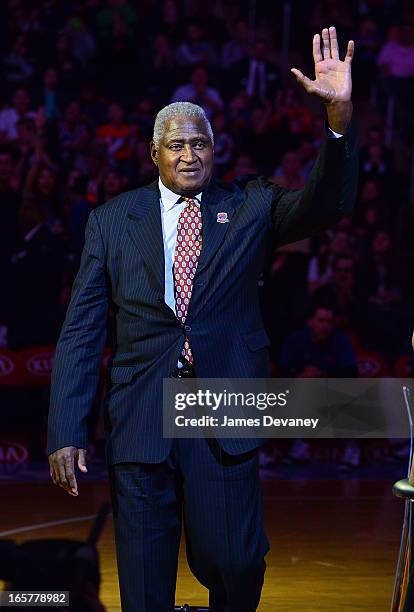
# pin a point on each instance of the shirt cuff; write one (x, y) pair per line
(333, 134)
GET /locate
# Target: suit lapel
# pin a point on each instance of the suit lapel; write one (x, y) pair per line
(145, 229)
(214, 200)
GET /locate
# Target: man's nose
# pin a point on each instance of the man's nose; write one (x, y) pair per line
(188, 155)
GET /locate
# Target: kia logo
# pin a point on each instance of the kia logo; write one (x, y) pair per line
(6, 366)
(12, 452)
(40, 364)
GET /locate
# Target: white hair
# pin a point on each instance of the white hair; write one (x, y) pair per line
(186, 109)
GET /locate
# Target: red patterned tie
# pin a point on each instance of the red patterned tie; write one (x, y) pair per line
(187, 253)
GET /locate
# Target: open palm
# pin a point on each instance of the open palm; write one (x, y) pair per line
(333, 80)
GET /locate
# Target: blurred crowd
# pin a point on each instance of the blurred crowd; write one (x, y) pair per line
(81, 84)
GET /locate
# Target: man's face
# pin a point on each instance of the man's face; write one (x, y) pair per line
(185, 156)
(343, 272)
(115, 113)
(51, 78)
(199, 79)
(21, 100)
(321, 324)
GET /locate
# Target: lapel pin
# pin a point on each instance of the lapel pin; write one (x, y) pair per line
(222, 217)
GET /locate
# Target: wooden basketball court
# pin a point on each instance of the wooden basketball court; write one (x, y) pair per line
(334, 543)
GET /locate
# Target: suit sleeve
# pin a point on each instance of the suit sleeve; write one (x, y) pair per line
(75, 373)
(328, 195)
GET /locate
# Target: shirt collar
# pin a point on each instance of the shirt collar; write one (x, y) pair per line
(169, 198)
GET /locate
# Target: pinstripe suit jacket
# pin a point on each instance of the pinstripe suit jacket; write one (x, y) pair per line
(123, 262)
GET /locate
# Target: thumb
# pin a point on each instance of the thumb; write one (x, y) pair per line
(302, 79)
(82, 460)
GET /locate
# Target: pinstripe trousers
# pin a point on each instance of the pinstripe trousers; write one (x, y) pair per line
(218, 497)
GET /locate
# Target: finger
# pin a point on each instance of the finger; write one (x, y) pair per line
(350, 51)
(303, 80)
(82, 460)
(55, 475)
(316, 45)
(52, 473)
(334, 43)
(70, 475)
(61, 475)
(325, 44)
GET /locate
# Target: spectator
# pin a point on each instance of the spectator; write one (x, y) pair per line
(161, 74)
(18, 68)
(41, 186)
(289, 172)
(117, 136)
(257, 75)
(94, 107)
(66, 64)
(340, 244)
(371, 194)
(368, 41)
(236, 50)
(170, 19)
(9, 117)
(145, 170)
(339, 13)
(143, 117)
(9, 207)
(376, 160)
(112, 184)
(344, 295)
(396, 58)
(243, 166)
(195, 49)
(199, 92)
(307, 156)
(34, 283)
(261, 137)
(379, 273)
(223, 143)
(291, 118)
(320, 349)
(82, 43)
(50, 96)
(320, 266)
(380, 278)
(76, 213)
(117, 24)
(240, 115)
(24, 149)
(73, 135)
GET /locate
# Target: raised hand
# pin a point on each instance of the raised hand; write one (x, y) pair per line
(333, 80)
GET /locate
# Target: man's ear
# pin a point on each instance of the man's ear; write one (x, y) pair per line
(154, 153)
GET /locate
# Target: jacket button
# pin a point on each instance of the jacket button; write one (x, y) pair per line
(187, 328)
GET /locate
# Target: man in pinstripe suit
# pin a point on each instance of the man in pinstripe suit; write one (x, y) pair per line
(129, 259)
